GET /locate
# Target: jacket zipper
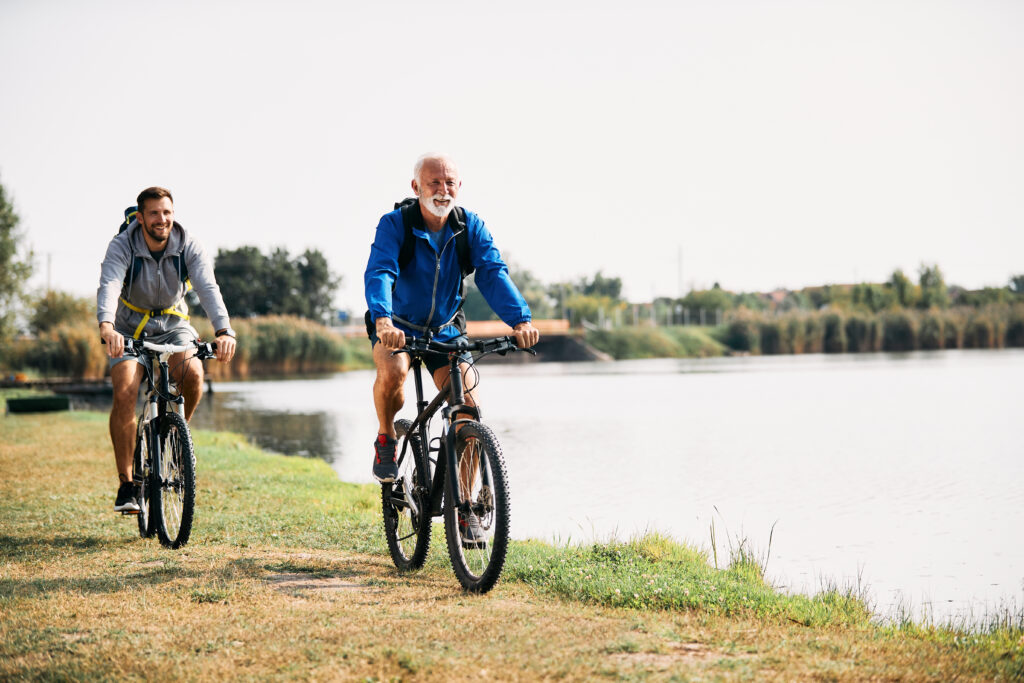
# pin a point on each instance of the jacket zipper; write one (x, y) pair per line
(437, 274)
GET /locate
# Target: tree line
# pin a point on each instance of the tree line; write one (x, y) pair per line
(254, 283)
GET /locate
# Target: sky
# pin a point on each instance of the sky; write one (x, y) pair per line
(671, 144)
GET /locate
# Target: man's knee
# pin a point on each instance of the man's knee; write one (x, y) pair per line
(193, 375)
(125, 392)
(391, 384)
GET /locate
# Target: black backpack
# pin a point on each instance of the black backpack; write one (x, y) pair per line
(411, 218)
(129, 215)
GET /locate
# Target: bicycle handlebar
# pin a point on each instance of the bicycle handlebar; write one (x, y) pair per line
(137, 347)
(501, 345)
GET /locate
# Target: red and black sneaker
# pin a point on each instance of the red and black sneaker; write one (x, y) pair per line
(473, 537)
(385, 468)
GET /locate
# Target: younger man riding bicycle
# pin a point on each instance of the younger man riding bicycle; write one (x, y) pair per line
(147, 270)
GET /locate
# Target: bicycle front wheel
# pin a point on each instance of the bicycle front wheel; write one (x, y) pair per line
(147, 526)
(478, 534)
(405, 505)
(173, 496)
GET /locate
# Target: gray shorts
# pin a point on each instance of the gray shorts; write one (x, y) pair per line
(179, 335)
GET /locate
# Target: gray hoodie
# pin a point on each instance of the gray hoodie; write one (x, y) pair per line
(129, 271)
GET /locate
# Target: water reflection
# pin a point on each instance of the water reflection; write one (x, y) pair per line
(303, 434)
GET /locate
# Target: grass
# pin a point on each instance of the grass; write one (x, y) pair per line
(287, 577)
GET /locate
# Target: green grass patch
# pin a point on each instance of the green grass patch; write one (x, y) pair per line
(78, 587)
(656, 342)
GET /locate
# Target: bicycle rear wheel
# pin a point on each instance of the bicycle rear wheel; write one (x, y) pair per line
(173, 495)
(408, 531)
(147, 527)
(478, 536)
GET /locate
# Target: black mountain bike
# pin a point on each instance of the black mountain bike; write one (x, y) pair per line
(459, 475)
(164, 465)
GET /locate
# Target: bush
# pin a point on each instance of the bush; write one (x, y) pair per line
(834, 336)
(899, 332)
(284, 344)
(633, 342)
(953, 326)
(932, 335)
(980, 332)
(795, 330)
(814, 334)
(771, 335)
(858, 331)
(742, 333)
(67, 350)
(1015, 327)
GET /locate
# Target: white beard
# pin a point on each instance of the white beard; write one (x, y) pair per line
(439, 211)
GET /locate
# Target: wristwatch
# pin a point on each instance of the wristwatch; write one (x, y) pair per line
(226, 331)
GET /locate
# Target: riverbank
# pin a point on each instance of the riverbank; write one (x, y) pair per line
(744, 331)
(287, 576)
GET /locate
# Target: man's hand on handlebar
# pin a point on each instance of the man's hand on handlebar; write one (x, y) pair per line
(389, 335)
(225, 348)
(526, 334)
(113, 340)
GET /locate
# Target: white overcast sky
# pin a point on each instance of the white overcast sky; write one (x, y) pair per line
(759, 144)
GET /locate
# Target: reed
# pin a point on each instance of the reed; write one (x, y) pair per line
(932, 333)
(834, 333)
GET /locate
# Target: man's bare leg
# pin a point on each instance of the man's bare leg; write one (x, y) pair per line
(126, 377)
(389, 387)
(189, 376)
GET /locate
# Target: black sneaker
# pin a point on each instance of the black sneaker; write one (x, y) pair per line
(126, 499)
(472, 535)
(385, 468)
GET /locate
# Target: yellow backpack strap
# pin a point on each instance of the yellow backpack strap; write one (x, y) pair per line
(147, 315)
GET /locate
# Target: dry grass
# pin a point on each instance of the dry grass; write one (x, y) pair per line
(82, 597)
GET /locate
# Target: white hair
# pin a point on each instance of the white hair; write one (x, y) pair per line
(430, 157)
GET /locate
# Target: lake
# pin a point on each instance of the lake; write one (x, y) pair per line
(898, 472)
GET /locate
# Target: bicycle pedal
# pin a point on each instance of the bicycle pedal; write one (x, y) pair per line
(130, 513)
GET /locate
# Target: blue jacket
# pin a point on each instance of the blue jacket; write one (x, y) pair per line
(413, 294)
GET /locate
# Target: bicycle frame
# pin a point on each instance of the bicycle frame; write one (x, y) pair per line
(158, 398)
(444, 465)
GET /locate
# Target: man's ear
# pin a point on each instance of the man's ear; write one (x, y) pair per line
(415, 188)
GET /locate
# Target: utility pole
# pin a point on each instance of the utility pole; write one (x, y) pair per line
(679, 270)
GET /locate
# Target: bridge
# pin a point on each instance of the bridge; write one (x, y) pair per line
(557, 341)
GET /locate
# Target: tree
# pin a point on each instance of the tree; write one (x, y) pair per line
(600, 285)
(873, 297)
(1017, 284)
(55, 308)
(15, 266)
(276, 284)
(933, 287)
(900, 284)
(241, 274)
(317, 285)
(533, 290)
(282, 290)
(712, 299)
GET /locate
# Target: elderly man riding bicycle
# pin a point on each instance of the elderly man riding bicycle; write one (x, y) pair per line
(420, 254)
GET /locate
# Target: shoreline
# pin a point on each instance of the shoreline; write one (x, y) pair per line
(278, 538)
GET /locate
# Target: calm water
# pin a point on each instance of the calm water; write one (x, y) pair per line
(902, 472)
